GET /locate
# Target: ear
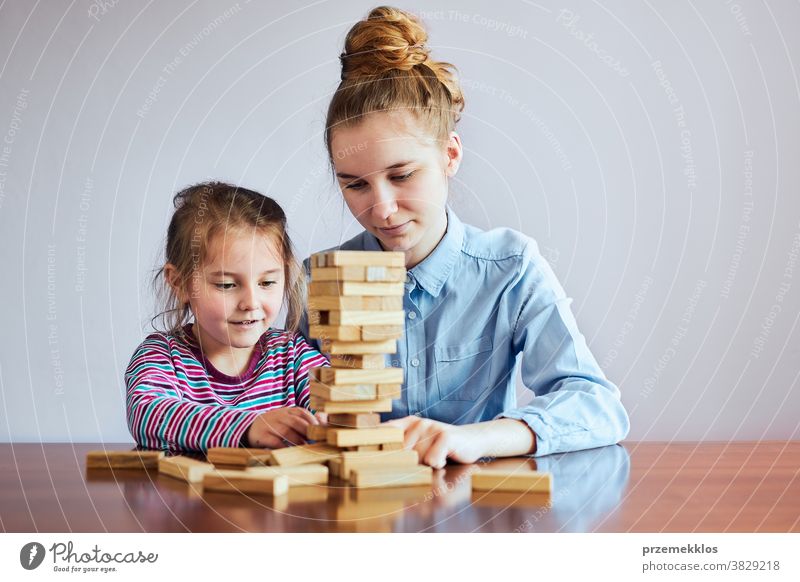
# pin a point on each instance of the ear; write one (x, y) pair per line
(174, 281)
(454, 153)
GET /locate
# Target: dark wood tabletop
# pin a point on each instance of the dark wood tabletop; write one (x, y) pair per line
(632, 487)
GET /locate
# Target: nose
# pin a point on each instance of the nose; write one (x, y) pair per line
(248, 300)
(384, 202)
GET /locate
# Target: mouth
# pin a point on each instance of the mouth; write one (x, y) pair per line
(395, 230)
(246, 323)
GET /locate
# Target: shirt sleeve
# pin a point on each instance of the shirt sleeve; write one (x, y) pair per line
(305, 358)
(158, 416)
(575, 406)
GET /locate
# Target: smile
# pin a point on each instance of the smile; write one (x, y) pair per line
(396, 230)
(246, 322)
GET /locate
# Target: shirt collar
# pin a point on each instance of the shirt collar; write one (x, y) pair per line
(434, 270)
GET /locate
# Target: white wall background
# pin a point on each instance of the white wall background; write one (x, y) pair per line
(651, 148)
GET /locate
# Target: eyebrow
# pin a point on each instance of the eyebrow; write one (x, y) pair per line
(344, 176)
(223, 273)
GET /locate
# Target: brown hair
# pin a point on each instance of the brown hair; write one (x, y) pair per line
(205, 210)
(386, 67)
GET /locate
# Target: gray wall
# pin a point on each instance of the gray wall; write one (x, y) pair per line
(651, 148)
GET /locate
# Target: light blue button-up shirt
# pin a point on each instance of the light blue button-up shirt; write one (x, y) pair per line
(473, 306)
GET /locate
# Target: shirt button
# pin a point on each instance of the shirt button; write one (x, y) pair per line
(412, 315)
(415, 362)
(395, 363)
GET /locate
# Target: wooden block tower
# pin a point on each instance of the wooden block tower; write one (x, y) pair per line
(355, 309)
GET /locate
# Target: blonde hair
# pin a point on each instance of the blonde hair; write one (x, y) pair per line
(386, 67)
(203, 211)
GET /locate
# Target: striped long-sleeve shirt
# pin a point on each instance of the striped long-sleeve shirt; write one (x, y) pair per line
(177, 400)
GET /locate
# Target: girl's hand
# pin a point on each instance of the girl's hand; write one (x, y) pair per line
(438, 441)
(274, 428)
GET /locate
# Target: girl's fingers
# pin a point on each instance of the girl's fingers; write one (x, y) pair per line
(293, 437)
(304, 413)
(296, 423)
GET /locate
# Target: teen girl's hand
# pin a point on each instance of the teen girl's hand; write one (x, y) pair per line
(436, 442)
(275, 428)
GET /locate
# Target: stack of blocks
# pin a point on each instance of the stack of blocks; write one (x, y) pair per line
(355, 309)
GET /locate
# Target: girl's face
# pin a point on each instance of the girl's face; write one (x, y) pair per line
(238, 292)
(394, 180)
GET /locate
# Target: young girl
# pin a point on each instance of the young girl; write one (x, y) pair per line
(474, 300)
(228, 378)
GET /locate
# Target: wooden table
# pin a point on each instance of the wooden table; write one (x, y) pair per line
(641, 487)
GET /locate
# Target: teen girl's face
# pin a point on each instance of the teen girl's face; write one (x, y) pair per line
(238, 292)
(393, 176)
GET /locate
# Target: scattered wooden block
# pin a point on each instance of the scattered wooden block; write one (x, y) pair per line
(354, 460)
(340, 376)
(359, 273)
(123, 459)
(356, 303)
(358, 348)
(503, 480)
(298, 475)
(364, 420)
(245, 482)
(364, 318)
(239, 457)
(391, 476)
(355, 333)
(304, 454)
(350, 406)
(317, 432)
(351, 437)
(358, 258)
(362, 362)
(353, 288)
(184, 468)
(344, 392)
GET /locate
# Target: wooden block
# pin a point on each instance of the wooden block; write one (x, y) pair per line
(304, 454)
(353, 460)
(353, 288)
(317, 432)
(351, 437)
(339, 303)
(502, 480)
(123, 459)
(341, 376)
(355, 333)
(359, 273)
(184, 468)
(298, 475)
(392, 446)
(363, 449)
(239, 457)
(351, 406)
(391, 476)
(335, 467)
(358, 348)
(359, 258)
(344, 392)
(393, 391)
(365, 420)
(245, 482)
(393, 318)
(363, 362)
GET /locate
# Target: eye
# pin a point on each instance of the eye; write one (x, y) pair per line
(269, 283)
(354, 186)
(402, 177)
(223, 286)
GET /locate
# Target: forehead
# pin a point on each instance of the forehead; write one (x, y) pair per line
(243, 251)
(378, 141)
